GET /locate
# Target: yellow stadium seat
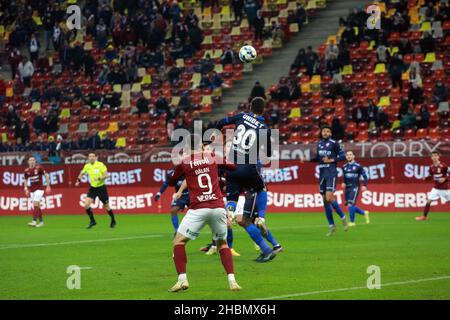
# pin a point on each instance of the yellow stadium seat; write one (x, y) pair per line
(405, 75)
(430, 57)
(305, 87)
(380, 68)
(426, 26)
(331, 38)
(142, 72)
(372, 45)
(346, 70)
(65, 113)
(147, 79)
(206, 100)
(384, 101)
(9, 92)
(102, 134)
(117, 88)
(37, 20)
(217, 92)
(113, 127)
(2, 29)
(218, 68)
(147, 94)
(175, 101)
(196, 77)
(36, 106)
(121, 142)
(136, 87)
(4, 137)
(295, 113)
(180, 63)
(395, 124)
(315, 79)
(392, 50)
(293, 28)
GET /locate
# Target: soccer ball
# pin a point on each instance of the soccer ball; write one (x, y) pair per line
(247, 54)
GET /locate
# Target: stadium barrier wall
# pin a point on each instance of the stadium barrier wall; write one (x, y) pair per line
(395, 184)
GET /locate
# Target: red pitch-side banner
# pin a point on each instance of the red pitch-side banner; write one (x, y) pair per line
(394, 185)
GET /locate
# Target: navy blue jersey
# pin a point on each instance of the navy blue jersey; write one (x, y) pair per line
(251, 134)
(331, 149)
(352, 174)
(177, 186)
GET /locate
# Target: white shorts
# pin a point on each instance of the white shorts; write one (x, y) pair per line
(195, 220)
(36, 196)
(437, 194)
(240, 206)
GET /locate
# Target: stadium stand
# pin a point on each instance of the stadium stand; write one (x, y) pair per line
(130, 75)
(370, 85)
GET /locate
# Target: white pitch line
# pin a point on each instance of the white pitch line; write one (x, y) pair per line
(398, 283)
(33, 245)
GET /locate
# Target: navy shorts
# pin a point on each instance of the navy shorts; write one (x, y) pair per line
(182, 202)
(327, 184)
(351, 194)
(250, 206)
(245, 177)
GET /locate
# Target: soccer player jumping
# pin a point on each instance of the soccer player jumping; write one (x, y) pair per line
(33, 177)
(249, 132)
(353, 172)
(439, 173)
(206, 207)
(97, 173)
(329, 153)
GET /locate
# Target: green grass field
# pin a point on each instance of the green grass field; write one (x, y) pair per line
(134, 261)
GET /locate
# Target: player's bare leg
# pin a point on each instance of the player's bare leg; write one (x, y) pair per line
(426, 210)
(111, 215)
(227, 261)
(87, 206)
(174, 217)
(180, 260)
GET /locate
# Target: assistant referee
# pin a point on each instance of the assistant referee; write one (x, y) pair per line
(97, 173)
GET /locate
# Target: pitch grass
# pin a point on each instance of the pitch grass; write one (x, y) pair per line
(140, 266)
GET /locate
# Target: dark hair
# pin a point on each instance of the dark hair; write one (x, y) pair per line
(324, 126)
(436, 152)
(257, 105)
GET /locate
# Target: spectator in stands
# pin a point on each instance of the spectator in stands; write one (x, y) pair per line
(162, 106)
(39, 124)
(415, 95)
(130, 71)
(174, 74)
(94, 141)
(440, 93)
(196, 36)
(372, 112)
(107, 143)
(11, 116)
(282, 93)
(216, 80)
(300, 60)
(40, 144)
(20, 146)
(396, 69)
(34, 48)
(349, 36)
(423, 118)
(2, 91)
(22, 130)
(301, 13)
(294, 90)
(258, 24)
(382, 120)
(207, 64)
(427, 42)
(237, 6)
(142, 104)
(382, 53)
(103, 75)
(185, 101)
(52, 122)
(332, 51)
(408, 121)
(196, 122)
(26, 71)
(176, 50)
(312, 61)
(52, 152)
(76, 56)
(274, 115)
(332, 66)
(404, 46)
(339, 89)
(15, 57)
(414, 75)
(89, 65)
(83, 142)
(101, 34)
(227, 56)
(337, 129)
(204, 81)
(61, 145)
(360, 113)
(258, 91)
(250, 8)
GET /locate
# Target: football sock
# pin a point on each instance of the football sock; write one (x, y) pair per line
(175, 221)
(35, 213)
(256, 236)
(111, 215)
(230, 238)
(338, 209)
(426, 209)
(179, 258)
(227, 260)
(40, 214)
(261, 203)
(90, 214)
(271, 239)
(359, 210)
(351, 210)
(329, 214)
